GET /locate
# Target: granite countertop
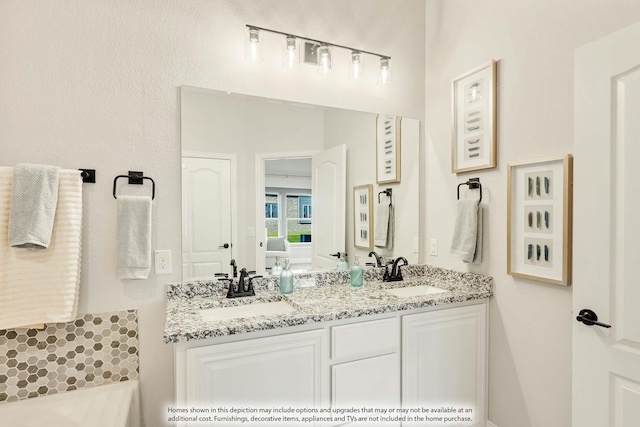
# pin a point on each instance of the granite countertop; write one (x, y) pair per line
(317, 297)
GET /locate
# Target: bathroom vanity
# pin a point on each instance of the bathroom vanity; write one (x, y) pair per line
(419, 343)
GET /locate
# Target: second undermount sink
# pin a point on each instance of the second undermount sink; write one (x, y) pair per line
(414, 291)
(246, 310)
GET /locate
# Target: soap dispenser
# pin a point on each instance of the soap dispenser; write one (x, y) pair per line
(342, 264)
(286, 279)
(356, 273)
(277, 268)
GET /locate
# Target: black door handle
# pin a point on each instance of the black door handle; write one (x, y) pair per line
(226, 246)
(589, 318)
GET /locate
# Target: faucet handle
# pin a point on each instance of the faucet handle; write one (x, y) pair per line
(250, 285)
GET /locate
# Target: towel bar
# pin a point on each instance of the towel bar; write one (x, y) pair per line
(473, 183)
(135, 178)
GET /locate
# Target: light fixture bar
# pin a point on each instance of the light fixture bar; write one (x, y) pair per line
(320, 42)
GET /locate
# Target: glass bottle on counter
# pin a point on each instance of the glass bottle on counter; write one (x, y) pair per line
(356, 273)
(286, 279)
(277, 268)
(342, 264)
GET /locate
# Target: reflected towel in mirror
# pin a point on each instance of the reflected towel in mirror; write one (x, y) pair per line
(384, 226)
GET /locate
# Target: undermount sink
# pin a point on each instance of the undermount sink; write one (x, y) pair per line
(246, 310)
(414, 291)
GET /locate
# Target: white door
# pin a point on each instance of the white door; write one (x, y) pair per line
(206, 213)
(606, 362)
(328, 187)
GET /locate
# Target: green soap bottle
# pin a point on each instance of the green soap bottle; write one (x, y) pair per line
(356, 273)
(286, 279)
(342, 264)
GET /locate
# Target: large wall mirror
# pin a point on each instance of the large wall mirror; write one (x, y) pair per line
(264, 177)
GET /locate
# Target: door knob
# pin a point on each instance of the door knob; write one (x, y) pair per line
(589, 318)
(226, 246)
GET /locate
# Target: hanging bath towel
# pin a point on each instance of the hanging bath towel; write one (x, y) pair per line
(134, 237)
(34, 197)
(41, 286)
(467, 233)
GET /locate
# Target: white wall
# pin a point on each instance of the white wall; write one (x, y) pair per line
(94, 83)
(534, 41)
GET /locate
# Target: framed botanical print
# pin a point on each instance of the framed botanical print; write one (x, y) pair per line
(539, 213)
(388, 149)
(363, 216)
(473, 122)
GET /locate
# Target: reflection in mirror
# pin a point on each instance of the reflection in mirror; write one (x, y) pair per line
(255, 169)
(288, 212)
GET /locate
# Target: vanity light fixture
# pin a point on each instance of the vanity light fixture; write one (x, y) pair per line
(291, 54)
(385, 71)
(320, 52)
(357, 65)
(324, 59)
(252, 45)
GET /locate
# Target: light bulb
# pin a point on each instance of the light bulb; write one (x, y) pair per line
(357, 65)
(291, 53)
(324, 55)
(385, 71)
(252, 45)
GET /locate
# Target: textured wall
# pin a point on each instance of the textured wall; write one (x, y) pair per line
(534, 41)
(94, 84)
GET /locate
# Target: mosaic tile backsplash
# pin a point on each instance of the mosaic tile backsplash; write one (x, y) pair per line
(93, 350)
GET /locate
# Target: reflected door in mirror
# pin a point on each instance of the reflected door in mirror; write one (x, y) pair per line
(206, 229)
(328, 187)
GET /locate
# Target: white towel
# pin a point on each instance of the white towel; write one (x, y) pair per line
(384, 226)
(467, 233)
(42, 286)
(134, 237)
(33, 205)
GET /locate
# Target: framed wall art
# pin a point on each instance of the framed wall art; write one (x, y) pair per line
(363, 216)
(539, 213)
(473, 122)
(387, 149)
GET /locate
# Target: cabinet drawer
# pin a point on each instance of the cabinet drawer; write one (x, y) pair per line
(365, 338)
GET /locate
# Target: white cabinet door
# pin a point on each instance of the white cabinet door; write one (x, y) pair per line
(265, 372)
(444, 361)
(373, 382)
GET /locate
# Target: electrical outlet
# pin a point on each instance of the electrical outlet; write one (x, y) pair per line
(434, 247)
(163, 262)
